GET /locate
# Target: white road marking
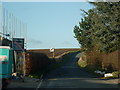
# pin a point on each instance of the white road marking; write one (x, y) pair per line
(39, 83)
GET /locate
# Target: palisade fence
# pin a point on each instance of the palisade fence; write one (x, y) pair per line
(108, 61)
(13, 28)
(36, 62)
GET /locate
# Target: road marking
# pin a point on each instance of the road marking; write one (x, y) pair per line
(40, 83)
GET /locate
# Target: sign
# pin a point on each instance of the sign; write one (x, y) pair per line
(18, 44)
(52, 49)
(3, 57)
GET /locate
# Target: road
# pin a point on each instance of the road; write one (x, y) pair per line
(67, 76)
(71, 76)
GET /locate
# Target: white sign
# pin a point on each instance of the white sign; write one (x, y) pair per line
(52, 49)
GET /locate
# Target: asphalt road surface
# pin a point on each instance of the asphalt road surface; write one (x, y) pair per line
(68, 76)
(71, 76)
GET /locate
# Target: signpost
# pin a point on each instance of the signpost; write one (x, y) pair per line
(53, 51)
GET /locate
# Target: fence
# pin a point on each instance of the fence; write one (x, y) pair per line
(107, 60)
(36, 62)
(111, 59)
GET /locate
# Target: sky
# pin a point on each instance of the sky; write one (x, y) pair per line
(49, 24)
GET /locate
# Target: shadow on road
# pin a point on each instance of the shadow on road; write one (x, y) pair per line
(70, 75)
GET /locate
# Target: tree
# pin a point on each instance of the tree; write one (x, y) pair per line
(83, 34)
(107, 25)
(100, 27)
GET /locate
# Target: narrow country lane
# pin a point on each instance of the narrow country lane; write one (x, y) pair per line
(71, 76)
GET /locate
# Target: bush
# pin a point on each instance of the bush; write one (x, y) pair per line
(82, 62)
(116, 74)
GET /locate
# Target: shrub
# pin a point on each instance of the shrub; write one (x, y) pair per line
(116, 74)
(82, 62)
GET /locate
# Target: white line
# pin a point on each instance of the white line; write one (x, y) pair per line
(40, 82)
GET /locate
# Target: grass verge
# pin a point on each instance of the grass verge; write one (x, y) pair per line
(91, 69)
(82, 63)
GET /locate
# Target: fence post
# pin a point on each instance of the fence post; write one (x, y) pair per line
(24, 69)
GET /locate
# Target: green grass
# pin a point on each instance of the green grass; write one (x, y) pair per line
(115, 74)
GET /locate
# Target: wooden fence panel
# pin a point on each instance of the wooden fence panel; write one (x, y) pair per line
(108, 59)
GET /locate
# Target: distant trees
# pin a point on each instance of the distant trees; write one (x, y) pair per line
(100, 27)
